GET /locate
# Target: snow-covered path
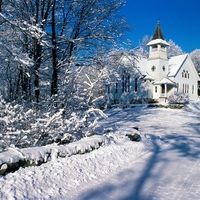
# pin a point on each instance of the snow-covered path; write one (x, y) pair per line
(156, 176)
(170, 171)
(164, 165)
(163, 174)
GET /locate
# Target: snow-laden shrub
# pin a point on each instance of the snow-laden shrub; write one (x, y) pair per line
(14, 124)
(178, 98)
(24, 126)
(124, 100)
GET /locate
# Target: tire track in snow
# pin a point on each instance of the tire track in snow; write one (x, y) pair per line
(186, 189)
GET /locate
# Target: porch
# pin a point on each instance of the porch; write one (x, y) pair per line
(164, 89)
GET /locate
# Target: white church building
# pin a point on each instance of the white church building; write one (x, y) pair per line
(156, 77)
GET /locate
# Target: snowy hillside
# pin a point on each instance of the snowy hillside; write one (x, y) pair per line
(163, 165)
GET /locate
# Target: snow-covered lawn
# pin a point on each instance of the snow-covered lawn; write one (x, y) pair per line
(165, 164)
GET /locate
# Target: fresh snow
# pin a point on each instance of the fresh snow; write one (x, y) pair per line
(165, 164)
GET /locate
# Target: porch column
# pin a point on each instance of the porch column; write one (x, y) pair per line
(165, 90)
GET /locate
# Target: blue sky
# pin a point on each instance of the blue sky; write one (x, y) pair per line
(179, 19)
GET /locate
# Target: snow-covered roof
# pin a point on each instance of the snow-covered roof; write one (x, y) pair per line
(127, 59)
(175, 63)
(157, 41)
(141, 64)
(158, 32)
(148, 77)
(165, 81)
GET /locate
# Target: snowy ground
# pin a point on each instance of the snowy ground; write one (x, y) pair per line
(164, 165)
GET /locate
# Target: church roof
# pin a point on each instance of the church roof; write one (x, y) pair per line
(157, 41)
(148, 77)
(175, 64)
(158, 32)
(165, 81)
(141, 65)
(158, 37)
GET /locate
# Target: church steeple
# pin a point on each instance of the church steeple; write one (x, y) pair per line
(157, 64)
(158, 32)
(158, 45)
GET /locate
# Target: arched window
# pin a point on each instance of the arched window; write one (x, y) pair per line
(186, 74)
(183, 74)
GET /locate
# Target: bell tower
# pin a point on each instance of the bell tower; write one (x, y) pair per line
(157, 64)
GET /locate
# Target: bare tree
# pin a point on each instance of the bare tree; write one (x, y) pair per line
(61, 35)
(173, 49)
(83, 27)
(195, 56)
(26, 18)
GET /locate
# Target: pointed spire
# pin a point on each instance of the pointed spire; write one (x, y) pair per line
(158, 32)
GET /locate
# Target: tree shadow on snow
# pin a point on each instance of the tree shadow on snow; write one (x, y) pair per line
(132, 188)
(141, 182)
(138, 182)
(120, 116)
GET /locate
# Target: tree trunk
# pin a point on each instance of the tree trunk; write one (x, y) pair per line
(37, 57)
(54, 84)
(1, 3)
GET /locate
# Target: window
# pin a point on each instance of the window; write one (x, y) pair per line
(153, 68)
(185, 74)
(116, 87)
(108, 89)
(123, 83)
(156, 89)
(193, 89)
(126, 82)
(163, 68)
(187, 88)
(162, 46)
(136, 84)
(154, 46)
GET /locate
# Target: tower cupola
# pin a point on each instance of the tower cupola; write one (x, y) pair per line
(158, 45)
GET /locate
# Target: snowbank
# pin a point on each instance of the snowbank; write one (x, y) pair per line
(13, 158)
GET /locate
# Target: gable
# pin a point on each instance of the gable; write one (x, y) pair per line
(179, 63)
(192, 68)
(175, 63)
